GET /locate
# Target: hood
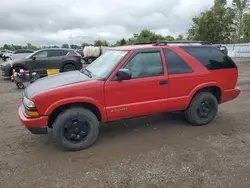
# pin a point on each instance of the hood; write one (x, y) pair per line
(17, 59)
(12, 62)
(55, 81)
(5, 63)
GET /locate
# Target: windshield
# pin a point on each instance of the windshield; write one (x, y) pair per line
(106, 63)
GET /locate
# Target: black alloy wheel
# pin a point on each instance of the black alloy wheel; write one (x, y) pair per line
(202, 109)
(205, 108)
(76, 130)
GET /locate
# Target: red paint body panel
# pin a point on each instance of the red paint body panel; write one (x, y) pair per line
(89, 92)
(41, 121)
(230, 94)
(137, 97)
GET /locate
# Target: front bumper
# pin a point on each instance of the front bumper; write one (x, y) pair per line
(37, 125)
(230, 94)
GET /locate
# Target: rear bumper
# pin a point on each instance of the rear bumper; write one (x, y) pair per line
(230, 94)
(35, 125)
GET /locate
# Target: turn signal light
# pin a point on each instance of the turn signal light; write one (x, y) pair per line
(32, 113)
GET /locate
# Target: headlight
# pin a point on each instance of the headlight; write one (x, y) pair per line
(28, 103)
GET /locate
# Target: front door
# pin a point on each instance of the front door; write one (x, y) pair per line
(39, 61)
(145, 93)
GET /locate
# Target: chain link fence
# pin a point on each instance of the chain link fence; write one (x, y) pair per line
(239, 50)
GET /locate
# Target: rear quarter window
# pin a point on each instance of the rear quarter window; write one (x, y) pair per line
(175, 64)
(211, 57)
(64, 52)
(73, 53)
(54, 53)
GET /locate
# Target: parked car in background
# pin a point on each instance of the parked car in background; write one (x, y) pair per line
(128, 82)
(80, 51)
(42, 60)
(18, 54)
(5, 52)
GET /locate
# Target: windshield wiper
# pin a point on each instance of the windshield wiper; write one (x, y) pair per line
(87, 72)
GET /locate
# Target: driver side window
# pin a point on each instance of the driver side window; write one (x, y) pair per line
(41, 54)
(145, 64)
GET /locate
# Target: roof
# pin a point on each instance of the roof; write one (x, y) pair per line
(134, 47)
(58, 49)
(163, 44)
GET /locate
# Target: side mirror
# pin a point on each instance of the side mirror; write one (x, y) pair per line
(123, 74)
(34, 58)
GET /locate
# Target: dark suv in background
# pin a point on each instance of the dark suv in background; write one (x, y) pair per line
(23, 51)
(40, 61)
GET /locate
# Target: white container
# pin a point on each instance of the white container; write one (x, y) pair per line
(91, 51)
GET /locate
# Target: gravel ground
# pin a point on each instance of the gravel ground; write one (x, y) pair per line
(156, 151)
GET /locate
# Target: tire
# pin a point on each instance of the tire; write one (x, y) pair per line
(69, 67)
(20, 85)
(202, 109)
(90, 60)
(64, 129)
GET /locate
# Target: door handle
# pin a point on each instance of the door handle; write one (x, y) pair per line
(163, 82)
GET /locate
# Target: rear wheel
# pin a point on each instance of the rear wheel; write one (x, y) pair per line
(203, 109)
(69, 67)
(75, 129)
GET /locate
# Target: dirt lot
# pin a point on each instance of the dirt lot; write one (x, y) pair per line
(157, 151)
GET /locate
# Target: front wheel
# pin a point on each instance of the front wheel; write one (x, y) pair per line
(202, 109)
(75, 129)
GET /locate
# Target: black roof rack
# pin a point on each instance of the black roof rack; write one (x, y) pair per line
(141, 43)
(163, 43)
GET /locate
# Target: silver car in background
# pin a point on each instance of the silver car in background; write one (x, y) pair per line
(18, 54)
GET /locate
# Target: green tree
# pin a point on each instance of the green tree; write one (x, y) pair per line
(31, 47)
(65, 46)
(101, 43)
(169, 38)
(220, 3)
(246, 27)
(73, 46)
(239, 7)
(86, 44)
(215, 25)
(6, 47)
(180, 37)
(121, 42)
(145, 36)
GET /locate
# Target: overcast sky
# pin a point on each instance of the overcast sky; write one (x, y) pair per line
(47, 22)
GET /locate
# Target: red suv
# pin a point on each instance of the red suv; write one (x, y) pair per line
(128, 82)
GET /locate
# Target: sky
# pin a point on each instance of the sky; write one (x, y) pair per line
(49, 22)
